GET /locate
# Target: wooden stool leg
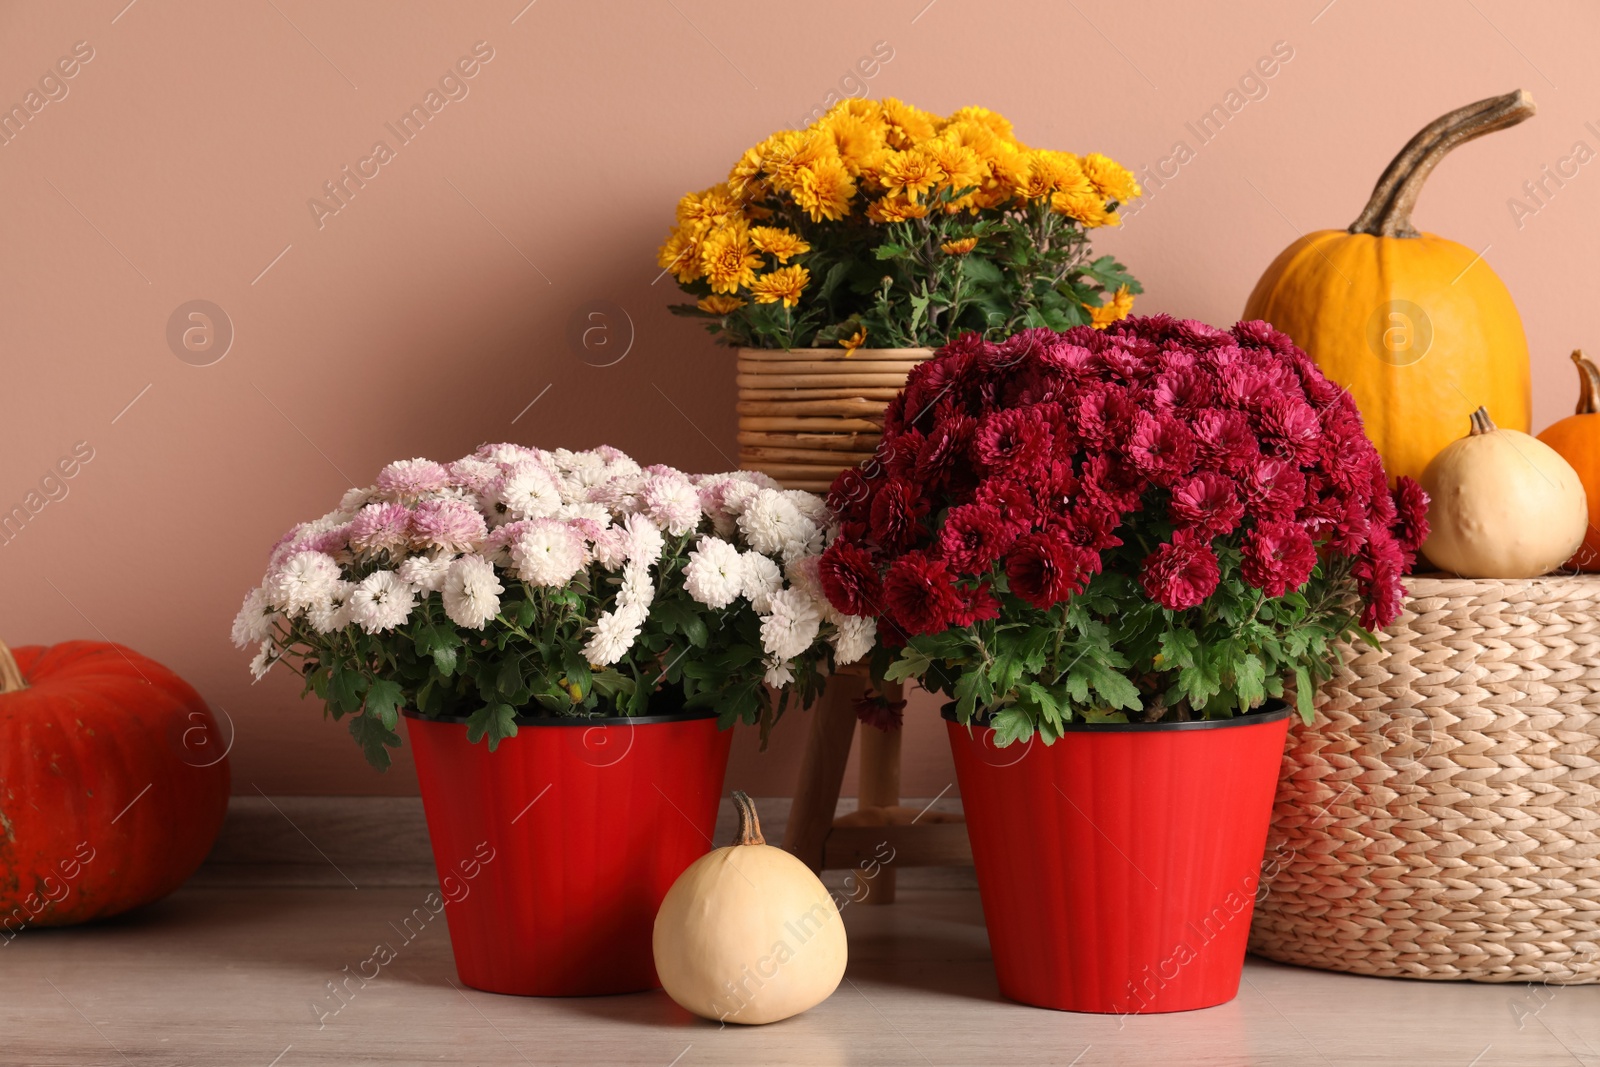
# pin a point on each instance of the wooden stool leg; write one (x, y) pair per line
(879, 788)
(833, 725)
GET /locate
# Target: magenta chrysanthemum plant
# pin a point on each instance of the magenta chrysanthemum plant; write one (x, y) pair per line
(1156, 522)
(517, 581)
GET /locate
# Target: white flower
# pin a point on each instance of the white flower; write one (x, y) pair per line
(810, 505)
(356, 499)
(586, 509)
(854, 637)
(425, 574)
(548, 553)
(472, 592)
(759, 578)
(381, 602)
(672, 502)
(611, 547)
(332, 612)
(646, 538)
(304, 579)
(804, 574)
(791, 627)
(737, 494)
(578, 472)
(778, 674)
(714, 575)
(529, 492)
(265, 657)
(636, 589)
(255, 619)
(774, 526)
(613, 635)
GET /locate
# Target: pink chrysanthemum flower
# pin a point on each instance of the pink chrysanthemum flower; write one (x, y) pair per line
(451, 525)
(381, 528)
(408, 479)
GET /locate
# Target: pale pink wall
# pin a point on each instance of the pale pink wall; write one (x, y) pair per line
(180, 163)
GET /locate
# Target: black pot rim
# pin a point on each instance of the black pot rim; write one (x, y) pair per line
(1272, 711)
(574, 720)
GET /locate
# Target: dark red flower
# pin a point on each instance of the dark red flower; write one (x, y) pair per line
(919, 594)
(1411, 515)
(1208, 502)
(974, 537)
(1101, 413)
(1378, 570)
(977, 605)
(1012, 499)
(1224, 440)
(1044, 569)
(1160, 447)
(943, 453)
(1186, 391)
(851, 494)
(1278, 557)
(849, 577)
(878, 711)
(1274, 490)
(1012, 442)
(896, 515)
(1289, 429)
(1181, 573)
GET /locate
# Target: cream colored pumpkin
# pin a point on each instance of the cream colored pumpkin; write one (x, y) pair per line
(748, 934)
(1502, 505)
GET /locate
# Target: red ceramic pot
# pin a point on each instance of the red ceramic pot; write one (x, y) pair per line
(1118, 867)
(554, 851)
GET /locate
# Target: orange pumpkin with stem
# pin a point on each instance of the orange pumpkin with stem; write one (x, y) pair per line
(1417, 327)
(1577, 438)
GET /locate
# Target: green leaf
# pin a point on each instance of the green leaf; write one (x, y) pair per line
(1010, 725)
(1304, 694)
(1112, 685)
(375, 739)
(345, 688)
(496, 721)
(384, 698)
(1178, 648)
(911, 664)
(444, 661)
(1250, 680)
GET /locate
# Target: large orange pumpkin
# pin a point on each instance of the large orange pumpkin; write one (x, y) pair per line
(113, 783)
(1418, 327)
(1577, 438)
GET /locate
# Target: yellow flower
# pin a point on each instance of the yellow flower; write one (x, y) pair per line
(727, 258)
(1111, 179)
(719, 305)
(707, 208)
(785, 284)
(1087, 208)
(959, 247)
(824, 189)
(797, 153)
(744, 180)
(962, 168)
(907, 126)
(892, 209)
(778, 242)
(1112, 310)
(681, 255)
(854, 341)
(910, 173)
(982, 116)
(1050, 172)
(857, 139)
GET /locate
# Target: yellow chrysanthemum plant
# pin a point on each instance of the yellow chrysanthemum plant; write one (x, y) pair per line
(887, 226)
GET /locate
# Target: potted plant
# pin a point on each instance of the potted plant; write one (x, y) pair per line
(595, 621)
(836, 256)
(1118, 554)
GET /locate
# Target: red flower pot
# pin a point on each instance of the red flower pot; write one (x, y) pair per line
(555, 851)
(1118, 867)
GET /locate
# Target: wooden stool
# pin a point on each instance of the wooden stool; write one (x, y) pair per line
(881, 835)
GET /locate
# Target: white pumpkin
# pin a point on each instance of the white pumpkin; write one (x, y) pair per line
(748, 934)
(1502, 504)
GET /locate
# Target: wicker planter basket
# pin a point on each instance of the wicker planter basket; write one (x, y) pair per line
(807, 414)
(1441, 819)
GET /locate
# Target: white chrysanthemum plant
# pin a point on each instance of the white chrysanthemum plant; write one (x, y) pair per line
(519, 582)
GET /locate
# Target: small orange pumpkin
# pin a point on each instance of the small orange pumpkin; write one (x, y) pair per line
(1577, 438)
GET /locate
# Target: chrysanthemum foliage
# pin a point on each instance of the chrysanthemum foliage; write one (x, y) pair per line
(1160, 521)
(518, 582)
(887, 226)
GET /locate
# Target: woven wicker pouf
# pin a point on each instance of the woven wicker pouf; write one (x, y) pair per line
(1441, 819)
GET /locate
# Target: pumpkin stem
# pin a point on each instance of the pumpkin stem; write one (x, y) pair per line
(1481, 423)
(1388, 212)
(749, 822)
(1588, 384)
(11, 679)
